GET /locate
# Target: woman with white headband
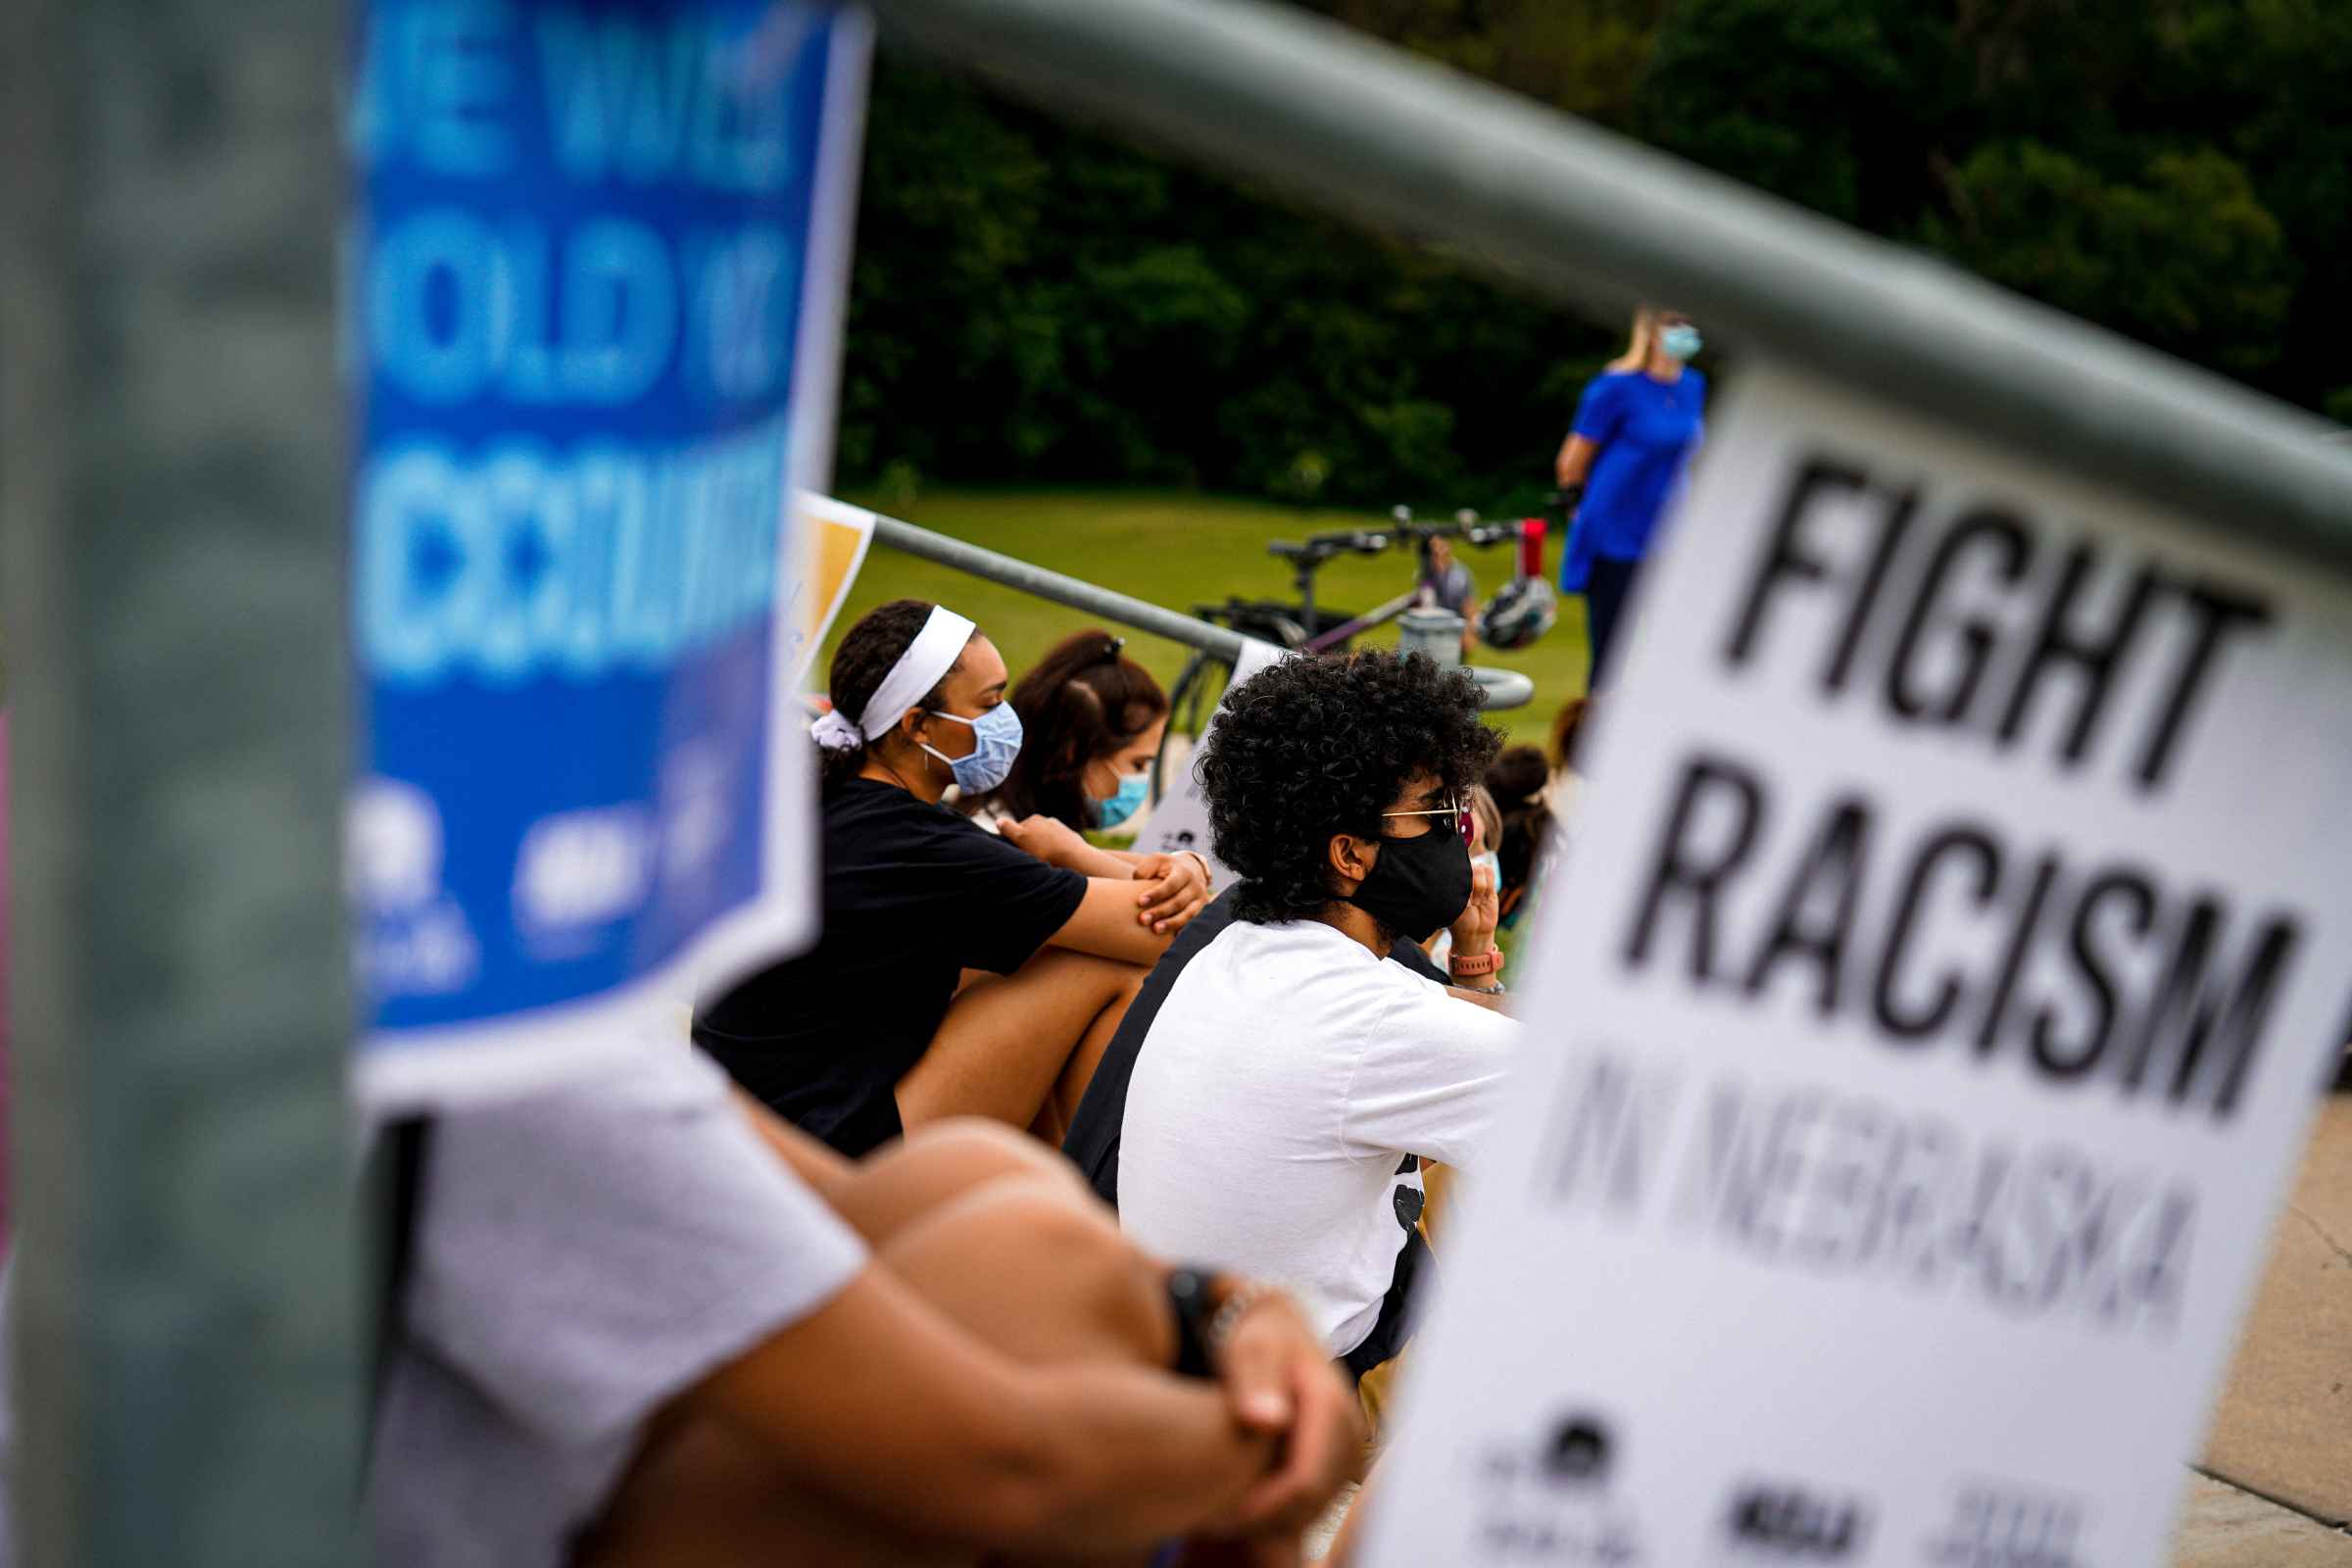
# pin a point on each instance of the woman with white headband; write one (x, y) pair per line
(874, 1030)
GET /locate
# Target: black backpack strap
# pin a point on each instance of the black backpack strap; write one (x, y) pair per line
(401, 1154)
(1092, 1140)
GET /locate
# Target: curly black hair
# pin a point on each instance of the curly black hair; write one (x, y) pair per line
(1314, 747)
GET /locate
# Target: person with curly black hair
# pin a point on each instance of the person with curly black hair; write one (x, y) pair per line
(1293, 1067)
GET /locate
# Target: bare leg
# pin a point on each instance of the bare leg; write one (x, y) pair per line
(1010, 1048)
(1024, 1262)
(944, 1162)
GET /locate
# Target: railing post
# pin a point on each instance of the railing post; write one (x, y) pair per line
(186, 1383)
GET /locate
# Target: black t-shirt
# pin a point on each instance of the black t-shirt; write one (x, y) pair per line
(913, 895)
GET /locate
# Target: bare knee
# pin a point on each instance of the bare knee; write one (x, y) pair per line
(1039, 1269)
(978, 1150)
(940, 1163)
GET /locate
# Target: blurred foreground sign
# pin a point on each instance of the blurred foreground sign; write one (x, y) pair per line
(595, 282)
(1952, 953)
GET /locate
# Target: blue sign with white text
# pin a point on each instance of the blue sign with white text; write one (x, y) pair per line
(576, 292)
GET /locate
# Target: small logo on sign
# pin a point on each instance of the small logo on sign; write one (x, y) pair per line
(1997, 1525)
(1792, 1522)
(581, 868)
(1577, 1454)
(1549, 1500)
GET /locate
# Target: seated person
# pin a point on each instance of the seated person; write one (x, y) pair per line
(874, 1029)
(642, 1323)
(1446, 583)
(1092, 720)
(1292, 1068)
(1485, 832)
(1519, 783)
(1093, 1143)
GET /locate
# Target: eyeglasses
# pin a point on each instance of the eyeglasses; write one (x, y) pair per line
(1464, 822)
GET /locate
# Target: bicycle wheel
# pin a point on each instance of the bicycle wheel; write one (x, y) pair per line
(1199, 686)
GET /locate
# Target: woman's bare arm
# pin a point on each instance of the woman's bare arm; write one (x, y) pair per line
(1575, 462)
(1105, 926)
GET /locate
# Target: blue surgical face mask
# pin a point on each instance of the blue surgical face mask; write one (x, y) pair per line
(1681, 342)
(995, 742)
(1125, 804)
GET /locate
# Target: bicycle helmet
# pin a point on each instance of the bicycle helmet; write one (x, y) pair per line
(1521, 612)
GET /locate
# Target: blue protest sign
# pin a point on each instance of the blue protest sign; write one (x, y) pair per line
(596, 281)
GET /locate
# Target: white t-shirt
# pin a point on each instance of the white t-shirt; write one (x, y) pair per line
(581, 1257)
(1284, 1078)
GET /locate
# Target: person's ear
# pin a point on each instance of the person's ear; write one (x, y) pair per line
(1351, 857)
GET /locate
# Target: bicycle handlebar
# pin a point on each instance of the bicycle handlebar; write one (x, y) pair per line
(1321, 548)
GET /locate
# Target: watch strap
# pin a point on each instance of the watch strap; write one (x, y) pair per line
(1192, 1298)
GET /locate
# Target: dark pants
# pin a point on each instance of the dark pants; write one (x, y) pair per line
(1607, 590)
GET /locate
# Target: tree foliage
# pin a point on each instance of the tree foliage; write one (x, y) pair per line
(1035, 302)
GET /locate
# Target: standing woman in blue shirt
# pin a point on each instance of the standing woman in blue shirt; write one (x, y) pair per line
(1635, 426)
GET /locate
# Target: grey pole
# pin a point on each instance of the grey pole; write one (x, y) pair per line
(1539, 199)
(171, 503)
(1221, 641)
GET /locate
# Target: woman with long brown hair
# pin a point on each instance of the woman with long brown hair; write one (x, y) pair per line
(1093, 719)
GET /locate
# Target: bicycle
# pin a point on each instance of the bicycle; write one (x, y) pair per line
(1308, 626)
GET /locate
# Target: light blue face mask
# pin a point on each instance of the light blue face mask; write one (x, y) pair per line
(995, 742)
(1681, 342)
(1124, 805)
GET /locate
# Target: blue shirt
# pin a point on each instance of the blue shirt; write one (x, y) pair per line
(1644, 430)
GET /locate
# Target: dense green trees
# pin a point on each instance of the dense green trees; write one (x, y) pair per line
(1034, 302)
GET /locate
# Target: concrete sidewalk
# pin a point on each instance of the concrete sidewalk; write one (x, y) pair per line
(2278, 1483)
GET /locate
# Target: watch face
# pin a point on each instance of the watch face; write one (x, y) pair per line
(1189, 1290)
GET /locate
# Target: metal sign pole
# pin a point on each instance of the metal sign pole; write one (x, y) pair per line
(171, 505)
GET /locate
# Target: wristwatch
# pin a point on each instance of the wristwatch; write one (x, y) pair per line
(1473, 966)
(1191, 1295)
(1206, 1316)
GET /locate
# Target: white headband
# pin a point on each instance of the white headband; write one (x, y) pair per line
(927, 658)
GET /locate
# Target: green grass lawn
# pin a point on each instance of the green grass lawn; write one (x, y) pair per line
(1176, 550)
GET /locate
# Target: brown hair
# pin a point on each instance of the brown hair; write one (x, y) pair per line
(1085, 698)
(1488, 814)
(1568, 731)
(1516, 782)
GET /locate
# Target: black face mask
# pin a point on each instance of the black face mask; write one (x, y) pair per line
(1418, 886)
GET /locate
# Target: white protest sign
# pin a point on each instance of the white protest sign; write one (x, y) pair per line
(1953, 950)
(1180, 821)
